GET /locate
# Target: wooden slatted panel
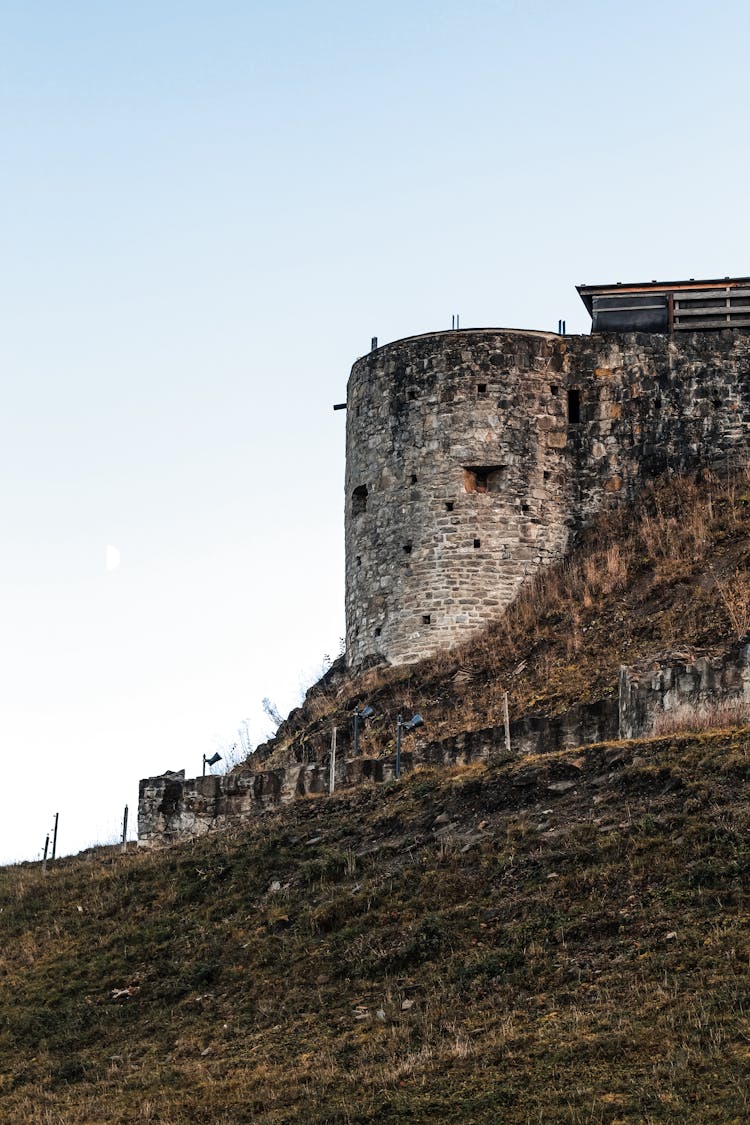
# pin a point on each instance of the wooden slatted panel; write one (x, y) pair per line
(727, 307)
(713, 310)
(686, 295)
(697, 325)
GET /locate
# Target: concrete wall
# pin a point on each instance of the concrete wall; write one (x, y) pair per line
(431, 557)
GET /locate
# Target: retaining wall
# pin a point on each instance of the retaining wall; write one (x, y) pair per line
(172, 808)
(670, 687)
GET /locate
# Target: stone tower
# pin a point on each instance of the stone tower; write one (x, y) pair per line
(473, 457)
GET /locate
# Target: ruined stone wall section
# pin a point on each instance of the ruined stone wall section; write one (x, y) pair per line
(678, 687)
(172, 808)
(474, 456)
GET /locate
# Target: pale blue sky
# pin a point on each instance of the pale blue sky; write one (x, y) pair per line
(207, 211)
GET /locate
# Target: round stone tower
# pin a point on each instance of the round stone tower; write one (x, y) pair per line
(472, 456)
(457, 484)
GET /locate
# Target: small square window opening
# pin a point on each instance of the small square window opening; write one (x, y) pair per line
(484, 478)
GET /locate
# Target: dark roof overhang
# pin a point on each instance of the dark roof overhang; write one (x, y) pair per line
(588, 292)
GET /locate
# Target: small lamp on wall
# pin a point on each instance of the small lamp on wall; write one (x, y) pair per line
(210, 761)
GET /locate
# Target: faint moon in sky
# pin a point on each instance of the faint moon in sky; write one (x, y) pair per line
(113, 557)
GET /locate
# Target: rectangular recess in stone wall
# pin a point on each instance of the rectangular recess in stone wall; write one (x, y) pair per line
(484, 478)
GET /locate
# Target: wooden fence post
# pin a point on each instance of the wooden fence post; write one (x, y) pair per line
(506, 720)
(332, 768)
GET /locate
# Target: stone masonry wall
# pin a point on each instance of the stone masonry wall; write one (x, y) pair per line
(473, 457)
(171, 808)
(670, 687)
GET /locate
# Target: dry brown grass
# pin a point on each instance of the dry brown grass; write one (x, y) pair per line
(720, 715)
(573, 964)
(670, 573)
(734, 591)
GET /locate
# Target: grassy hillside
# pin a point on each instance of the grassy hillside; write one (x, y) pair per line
(563, 938)
(557, 938)
(671, 573)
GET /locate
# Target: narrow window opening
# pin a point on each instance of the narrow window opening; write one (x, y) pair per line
(359, 500)
(359, 411)
(425, 619)
(413, 478)
(412, 396)
(481, 388)
(716, 403)
(356, 631)
(449, 505)
(553, 390)
(407, 548)
(525, 508)
(547, 474)
(477, 544)
(378, 631)
(574, 405)
(359, 560)
(484, 478)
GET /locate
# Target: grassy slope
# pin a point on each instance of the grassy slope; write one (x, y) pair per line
(571, 954)
(672, 573)
(575, 954)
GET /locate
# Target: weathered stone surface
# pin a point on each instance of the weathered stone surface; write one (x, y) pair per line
(171, 808)
(669, 686)
(466, 470)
